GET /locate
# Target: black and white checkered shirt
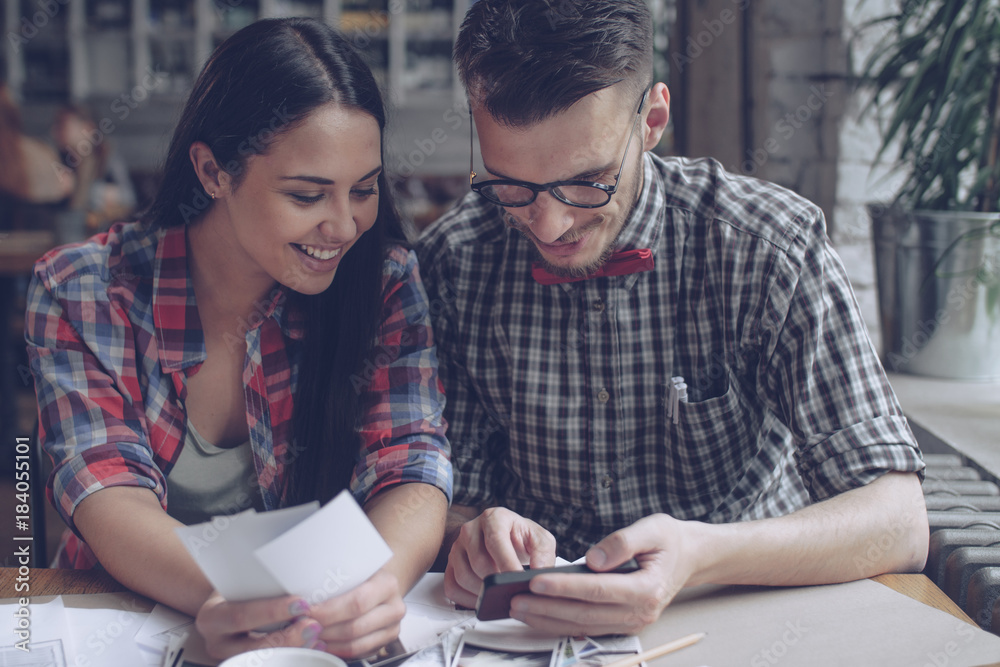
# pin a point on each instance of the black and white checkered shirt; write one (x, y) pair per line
(557, 395)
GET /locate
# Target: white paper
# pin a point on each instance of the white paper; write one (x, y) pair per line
(106, 637)
(48, 646)
(606, 650)
(164, 623)
(509, 634)
(223, 549)
(429, 614)
(329, 553)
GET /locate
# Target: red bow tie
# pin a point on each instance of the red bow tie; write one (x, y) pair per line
(620, 264)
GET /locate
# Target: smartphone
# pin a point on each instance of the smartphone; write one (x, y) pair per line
(498, 589)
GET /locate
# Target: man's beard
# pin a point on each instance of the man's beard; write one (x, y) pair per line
(583, 271)
(524, 229)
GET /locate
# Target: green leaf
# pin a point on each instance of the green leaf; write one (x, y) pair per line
(932, 72)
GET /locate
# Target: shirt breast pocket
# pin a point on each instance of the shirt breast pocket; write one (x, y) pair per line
(711, 444)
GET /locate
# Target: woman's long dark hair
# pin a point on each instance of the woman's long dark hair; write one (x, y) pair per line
(262, 81)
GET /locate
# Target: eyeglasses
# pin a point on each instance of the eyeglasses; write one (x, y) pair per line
(583, 194)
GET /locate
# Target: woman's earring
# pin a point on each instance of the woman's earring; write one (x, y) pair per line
(212, 195)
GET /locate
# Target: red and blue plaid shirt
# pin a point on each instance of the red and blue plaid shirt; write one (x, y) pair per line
(113, 332)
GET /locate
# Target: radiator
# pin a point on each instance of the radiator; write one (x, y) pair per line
(963, 509)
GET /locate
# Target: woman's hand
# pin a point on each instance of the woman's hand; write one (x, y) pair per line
(352, 625)
(359, 623)
(231, 627)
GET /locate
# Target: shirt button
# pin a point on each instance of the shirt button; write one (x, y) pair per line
(603, 396)
(606, 481)
(598, 306)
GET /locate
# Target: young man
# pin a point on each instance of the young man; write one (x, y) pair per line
(645, 357)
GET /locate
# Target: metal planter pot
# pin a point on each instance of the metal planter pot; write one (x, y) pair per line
(938, 276)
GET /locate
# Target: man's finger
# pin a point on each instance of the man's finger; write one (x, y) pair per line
(461, 585)
(641, 537)
(541, 548)
(498, 538)
(607, 588)
(570, 617)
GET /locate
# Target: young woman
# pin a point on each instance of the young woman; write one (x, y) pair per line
(256, 340)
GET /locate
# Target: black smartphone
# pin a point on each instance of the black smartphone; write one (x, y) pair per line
(498, 589)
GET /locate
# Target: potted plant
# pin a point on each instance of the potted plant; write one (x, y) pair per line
(935, 82)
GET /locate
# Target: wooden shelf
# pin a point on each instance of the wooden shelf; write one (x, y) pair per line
(92, 64)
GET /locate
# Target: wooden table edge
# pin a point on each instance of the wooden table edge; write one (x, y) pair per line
(43, 582)
(921, 588)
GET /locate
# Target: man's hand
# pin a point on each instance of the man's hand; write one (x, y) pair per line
(599, 604)
(818, 544)
(498, 540)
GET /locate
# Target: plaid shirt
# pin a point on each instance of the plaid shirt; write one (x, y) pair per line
(113, 332)
(558, 395)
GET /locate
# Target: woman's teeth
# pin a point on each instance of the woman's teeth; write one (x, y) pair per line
(319, 253)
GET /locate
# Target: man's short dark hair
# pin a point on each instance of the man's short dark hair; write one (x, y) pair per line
(526, 60)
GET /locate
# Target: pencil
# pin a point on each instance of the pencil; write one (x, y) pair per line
(669, 647)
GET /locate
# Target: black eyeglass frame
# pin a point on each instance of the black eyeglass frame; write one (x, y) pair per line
(552, 188)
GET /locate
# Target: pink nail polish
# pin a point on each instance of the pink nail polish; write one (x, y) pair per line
(310, 634)
(298, 608)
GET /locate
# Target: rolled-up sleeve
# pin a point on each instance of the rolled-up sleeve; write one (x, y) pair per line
(402, 426)
(91, 420)
(826, 378)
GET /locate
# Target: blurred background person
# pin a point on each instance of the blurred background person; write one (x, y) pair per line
(104, 192)
(30, 170)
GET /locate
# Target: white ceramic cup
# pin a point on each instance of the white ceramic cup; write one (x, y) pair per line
(284, 657)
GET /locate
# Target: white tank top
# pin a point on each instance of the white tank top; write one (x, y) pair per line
(207, 481)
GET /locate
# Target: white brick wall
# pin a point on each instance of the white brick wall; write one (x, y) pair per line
(857, 182)
(805, 101)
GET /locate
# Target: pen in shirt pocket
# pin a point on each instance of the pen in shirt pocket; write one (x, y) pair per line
(677, 393)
